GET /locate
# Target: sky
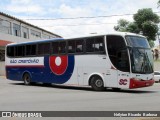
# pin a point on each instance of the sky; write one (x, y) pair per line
(50, 14)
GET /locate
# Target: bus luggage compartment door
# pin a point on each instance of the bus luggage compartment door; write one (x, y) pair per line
(80, 76)
(111, 78)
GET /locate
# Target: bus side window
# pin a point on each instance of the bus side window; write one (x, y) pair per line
(117, 52)
(43, 48)
(55, 47)
(90, 45)
(79, 46)
(30, 50)
(19, 51)
(71, 46)
(99, 44)
(62, 47)
(10, 51)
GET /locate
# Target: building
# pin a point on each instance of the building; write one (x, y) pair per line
(15, 30)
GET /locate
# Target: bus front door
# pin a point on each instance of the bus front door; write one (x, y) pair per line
(123, 68)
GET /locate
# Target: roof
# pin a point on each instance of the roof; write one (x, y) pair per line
(37, 41)
(19, 20)
(108, 33)
(4, 42)
(57, 39)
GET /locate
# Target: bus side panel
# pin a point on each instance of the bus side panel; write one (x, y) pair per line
(12, 73)
(86, 65)
(58, 74)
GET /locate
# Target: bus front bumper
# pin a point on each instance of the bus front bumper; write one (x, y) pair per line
(140, 83)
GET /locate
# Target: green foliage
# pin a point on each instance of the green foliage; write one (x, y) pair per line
(145, 22)
(150, 30)
(144, 15)
(158, 3)
(132, 27)
(151, 43)
(122, 25)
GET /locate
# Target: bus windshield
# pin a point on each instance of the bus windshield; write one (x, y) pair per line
(141, 55)
(135, 41)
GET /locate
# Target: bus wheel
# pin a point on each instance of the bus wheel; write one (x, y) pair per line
(27, 79)
(97, 83)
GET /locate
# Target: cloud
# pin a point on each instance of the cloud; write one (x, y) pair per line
(73, 8)
(69, 11)
(24, 6)
(24, 9)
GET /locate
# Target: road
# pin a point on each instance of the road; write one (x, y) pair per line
(15, 96)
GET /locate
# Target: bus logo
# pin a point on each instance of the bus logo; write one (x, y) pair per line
(58, 64)
(123, 82)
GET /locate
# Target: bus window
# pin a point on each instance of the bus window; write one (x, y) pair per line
(123, 60)
(99, 46)
(55, 47)
(30, 50)
(117, 52)
(71, 46)
(79, 46)
(10, 51)
(90, 45)
(19, 51)
(44, 48)
(62, 47)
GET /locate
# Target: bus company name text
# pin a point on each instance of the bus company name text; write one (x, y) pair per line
(25, 61)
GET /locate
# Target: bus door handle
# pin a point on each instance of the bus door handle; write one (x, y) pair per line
(124, 75)
(85, 73)
(104, 57)
(108, 74)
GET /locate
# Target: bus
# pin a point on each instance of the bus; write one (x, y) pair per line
(115, 60)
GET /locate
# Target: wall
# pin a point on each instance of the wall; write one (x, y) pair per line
(16, 39)
(11, 38)
(2, 68)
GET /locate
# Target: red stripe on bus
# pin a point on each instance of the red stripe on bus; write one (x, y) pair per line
(138, 84)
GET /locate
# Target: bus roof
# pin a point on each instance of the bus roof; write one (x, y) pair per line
(91, 35)
(36, 41)
(109, 33)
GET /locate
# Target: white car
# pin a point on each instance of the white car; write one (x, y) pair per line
(157, 76)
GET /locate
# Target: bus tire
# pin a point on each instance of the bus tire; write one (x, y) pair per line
(27, 79)
(97, 83)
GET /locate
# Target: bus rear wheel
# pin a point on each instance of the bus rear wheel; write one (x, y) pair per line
(27, 79)
(97, 83)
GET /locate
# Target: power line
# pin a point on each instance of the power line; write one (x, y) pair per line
(80, 17)
(78, 24)
(90, 17)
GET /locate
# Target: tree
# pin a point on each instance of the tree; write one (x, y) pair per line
(122, 25)
(151, 43)
(158, 3)
(145, 22)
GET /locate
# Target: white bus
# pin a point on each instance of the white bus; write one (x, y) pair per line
(117, 60)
